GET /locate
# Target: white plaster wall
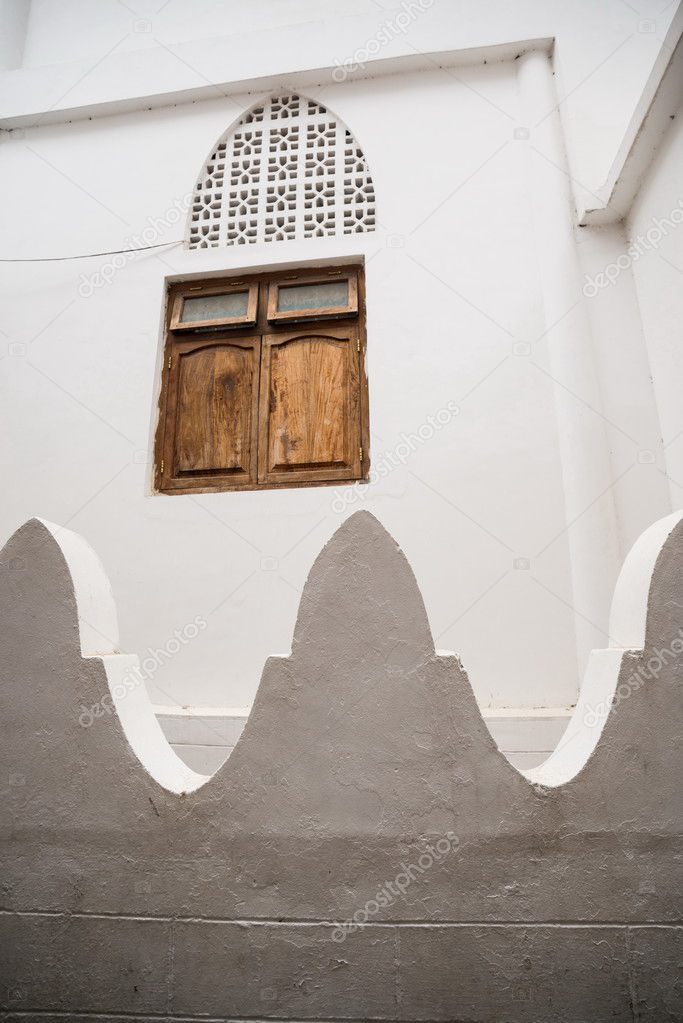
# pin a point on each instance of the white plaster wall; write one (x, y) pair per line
(629, 410)
(453, 289)
(658, 274)
(14, 20)
(484, 491)
(604, 51)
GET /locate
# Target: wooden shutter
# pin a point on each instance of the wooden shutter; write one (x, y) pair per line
(212, 412)
(309, 409)
(263, 382)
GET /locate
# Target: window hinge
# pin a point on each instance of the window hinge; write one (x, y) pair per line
(161, 467)
(360, 455)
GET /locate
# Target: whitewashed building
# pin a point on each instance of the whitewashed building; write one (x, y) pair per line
(501, 187)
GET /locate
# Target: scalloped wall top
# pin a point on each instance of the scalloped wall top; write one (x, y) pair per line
(360, 743)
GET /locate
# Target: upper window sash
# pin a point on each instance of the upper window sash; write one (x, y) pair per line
(215, 305)
(318, 296)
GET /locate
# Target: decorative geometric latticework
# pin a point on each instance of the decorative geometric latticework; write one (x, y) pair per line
(289, 169)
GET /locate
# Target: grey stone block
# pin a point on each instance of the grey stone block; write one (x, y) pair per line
(81, 964)
(296, 971)
(517, 974)
(657, 963)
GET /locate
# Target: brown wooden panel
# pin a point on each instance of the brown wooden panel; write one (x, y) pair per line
(212, 418)
(325, 383)
(310, 405)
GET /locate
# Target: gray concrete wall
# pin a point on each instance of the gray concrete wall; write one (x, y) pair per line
(365, 785)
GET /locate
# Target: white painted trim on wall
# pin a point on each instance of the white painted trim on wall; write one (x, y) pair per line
(628, 619)
(142, 726)
(26, 94)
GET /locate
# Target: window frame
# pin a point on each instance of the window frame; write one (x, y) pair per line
(200, 291)
(275, 315)
(214, 332)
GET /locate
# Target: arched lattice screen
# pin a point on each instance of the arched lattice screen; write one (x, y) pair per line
(289, 169)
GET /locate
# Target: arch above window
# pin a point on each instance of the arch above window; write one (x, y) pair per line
(289, 169)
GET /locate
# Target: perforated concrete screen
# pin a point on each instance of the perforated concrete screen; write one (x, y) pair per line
(289, 170)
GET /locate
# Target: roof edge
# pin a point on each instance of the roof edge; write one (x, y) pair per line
(643, 138)
(32, 107)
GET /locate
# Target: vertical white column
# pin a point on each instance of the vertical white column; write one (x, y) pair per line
(584, 450)
(14, 19)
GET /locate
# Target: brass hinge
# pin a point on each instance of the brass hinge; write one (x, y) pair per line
(161, 467)
(358, 344)
(360, 455)
(169, 362)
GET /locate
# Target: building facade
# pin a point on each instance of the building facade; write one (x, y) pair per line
(507, 179)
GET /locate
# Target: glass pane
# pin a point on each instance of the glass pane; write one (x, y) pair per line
(215, 307)
(313, 296)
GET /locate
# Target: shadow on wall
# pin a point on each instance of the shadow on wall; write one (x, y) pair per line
(365, 803)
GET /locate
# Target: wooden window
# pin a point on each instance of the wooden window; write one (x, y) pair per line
(211, 306)
(314, 297)
(264, 383)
